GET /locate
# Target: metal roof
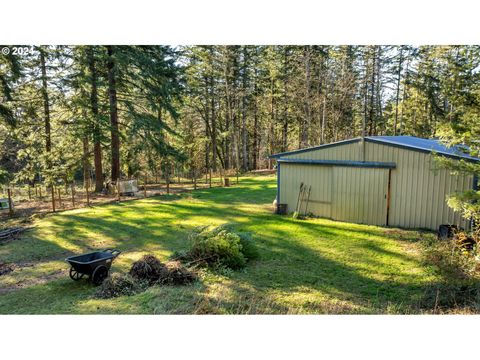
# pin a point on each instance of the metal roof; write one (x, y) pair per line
(408, 142)
(430, 145)
(370, 164)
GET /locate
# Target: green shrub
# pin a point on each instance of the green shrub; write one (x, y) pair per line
(249, 249)
(220, 247)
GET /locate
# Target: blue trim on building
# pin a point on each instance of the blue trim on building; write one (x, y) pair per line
(367, 164)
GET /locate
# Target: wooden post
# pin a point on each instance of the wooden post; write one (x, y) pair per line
(388, 196)
(59, 197)
(88, 192)
(118, 191)
(53, 197)
(145, 187)
(10, 206)
(36, 190)
(29, 192)
(73, 193)
(40, 190)
(210, 178)
(194, 180)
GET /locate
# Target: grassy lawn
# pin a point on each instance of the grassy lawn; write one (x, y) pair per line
(305, 266)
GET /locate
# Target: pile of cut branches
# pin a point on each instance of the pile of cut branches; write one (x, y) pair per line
(9, 234)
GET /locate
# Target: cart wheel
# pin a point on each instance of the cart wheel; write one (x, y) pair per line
(99, 274)
(75, 275)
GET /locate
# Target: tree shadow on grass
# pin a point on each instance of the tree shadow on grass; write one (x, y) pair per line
(297, 269)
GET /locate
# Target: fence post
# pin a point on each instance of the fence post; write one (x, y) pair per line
(73, 193)
(10, 206)
(145, 187)
(88, 195)
(53, 197)
(59, 197)
(118, 191)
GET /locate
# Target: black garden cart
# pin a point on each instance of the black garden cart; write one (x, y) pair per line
(95, 265)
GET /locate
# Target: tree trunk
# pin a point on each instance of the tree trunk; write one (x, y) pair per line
(324, 111)
(214, 126)
(397, 95)
(46, 109)
(97, 147)
(112, 94)
(244, 112)
(285, 104)
(86, 165)
(271, 132)
(372, 94)
(404, 97)
(305, 125)
(46, 105)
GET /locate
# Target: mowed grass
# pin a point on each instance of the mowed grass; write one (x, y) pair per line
(310, 266)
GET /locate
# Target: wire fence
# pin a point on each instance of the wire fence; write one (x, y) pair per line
(25, 200)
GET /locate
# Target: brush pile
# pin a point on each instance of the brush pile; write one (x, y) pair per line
(174, 273)
(6, 268)
(120, 285)
(152, 271)
(9, 234)
(148, 269)
(457, 262)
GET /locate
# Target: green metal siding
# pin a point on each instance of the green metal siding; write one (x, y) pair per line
(318, 177)
(418, 188)
(360, 195)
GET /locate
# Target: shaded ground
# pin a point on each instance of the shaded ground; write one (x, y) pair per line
(305, 266)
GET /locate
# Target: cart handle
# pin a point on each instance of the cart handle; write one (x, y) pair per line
(114, 252)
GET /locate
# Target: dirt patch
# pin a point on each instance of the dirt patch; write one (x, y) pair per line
(40, 280)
